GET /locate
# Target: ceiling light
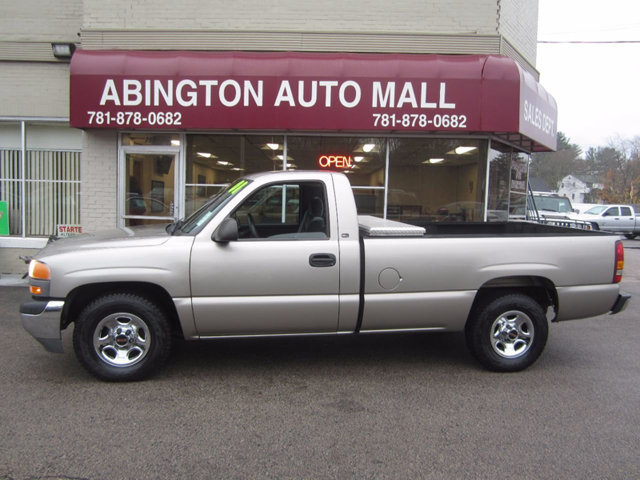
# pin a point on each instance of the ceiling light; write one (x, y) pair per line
(273, 146)
(433, 161)
(175, 143)
(462, 150)
(368, 147)
(358, 159)
(204, 154)
(223, 163)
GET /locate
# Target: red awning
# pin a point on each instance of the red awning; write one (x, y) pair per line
(311, 92)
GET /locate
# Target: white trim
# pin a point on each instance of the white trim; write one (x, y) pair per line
(35, 119)
(23, 242)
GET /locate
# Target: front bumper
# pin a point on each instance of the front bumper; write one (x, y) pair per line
(41, 318)
(621, 303)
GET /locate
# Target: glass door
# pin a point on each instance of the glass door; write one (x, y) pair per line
(148, 181)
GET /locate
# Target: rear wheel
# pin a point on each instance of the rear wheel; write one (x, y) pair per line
(507, 333)
(121, 337)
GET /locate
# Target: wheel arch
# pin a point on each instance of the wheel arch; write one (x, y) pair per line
(540, 289)
(82, 296)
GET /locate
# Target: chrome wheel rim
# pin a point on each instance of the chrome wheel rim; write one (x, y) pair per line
(512, 334)
(121, 339)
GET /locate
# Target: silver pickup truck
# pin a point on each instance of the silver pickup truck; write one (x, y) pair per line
(621, 219)
(286, 254)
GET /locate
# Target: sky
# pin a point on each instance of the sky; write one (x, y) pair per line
(596, 86)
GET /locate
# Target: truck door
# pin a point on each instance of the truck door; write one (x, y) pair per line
(281, 276)
(627, 219)
(611, 219)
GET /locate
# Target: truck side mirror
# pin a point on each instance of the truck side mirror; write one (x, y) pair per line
(226, 232)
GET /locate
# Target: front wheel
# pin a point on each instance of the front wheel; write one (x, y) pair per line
(121, 337)
(507, 333)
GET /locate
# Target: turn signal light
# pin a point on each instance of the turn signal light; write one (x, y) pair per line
(619, 262)
(39, 270)
(35, 290)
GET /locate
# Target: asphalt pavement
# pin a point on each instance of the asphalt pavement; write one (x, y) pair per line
(368, 407)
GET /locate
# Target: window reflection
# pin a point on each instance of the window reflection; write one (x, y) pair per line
(508, 180)
(149, 188)
(214, 161)
(436, 180)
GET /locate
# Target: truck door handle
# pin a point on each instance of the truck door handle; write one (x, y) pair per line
(322, 260)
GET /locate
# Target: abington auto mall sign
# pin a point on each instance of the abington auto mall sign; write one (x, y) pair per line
(295, 91)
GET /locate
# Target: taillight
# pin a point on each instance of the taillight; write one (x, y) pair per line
(619, 262)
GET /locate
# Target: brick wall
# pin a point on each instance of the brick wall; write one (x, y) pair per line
(99, 176)
(34, 89)
(40, 20)
(518, 23)
(401, 16)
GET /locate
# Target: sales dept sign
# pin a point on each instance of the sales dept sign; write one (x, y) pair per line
(293, 91)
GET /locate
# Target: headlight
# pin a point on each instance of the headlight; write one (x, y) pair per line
(39, 276)
(39, 270)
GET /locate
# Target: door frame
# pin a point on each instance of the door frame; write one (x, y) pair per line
(177, 152)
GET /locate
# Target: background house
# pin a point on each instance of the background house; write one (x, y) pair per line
(578, 188)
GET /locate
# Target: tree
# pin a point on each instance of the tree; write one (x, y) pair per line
(552, 167)
(618, 167)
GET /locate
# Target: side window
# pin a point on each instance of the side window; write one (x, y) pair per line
(625, 211)
(612, 212)
(285, 211)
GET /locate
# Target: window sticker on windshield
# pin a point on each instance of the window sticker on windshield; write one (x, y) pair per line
(237, 187)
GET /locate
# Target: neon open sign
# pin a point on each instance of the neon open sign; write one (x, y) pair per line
(335, 161)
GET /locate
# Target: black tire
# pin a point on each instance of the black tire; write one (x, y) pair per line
(507, 333)
(122, 337)
(630, 236)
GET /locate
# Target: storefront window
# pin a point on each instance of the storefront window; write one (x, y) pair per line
(361, 158)
(436, 180)
(41, 193)
(518, 189)
(508, 179)
(499, 180)
(214, 161)
(430, 179)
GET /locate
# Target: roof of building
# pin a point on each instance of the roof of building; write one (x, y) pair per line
(538, 185)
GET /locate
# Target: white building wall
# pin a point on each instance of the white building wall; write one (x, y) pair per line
(573, 188)
(99, 181)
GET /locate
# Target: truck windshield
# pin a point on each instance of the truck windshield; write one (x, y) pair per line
(596, 210)
(553, 204)
(202, 216)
